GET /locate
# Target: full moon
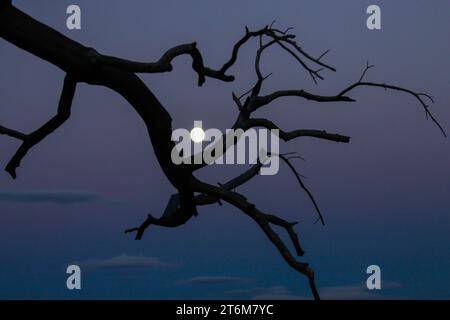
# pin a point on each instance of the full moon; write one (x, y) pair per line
(197, 135)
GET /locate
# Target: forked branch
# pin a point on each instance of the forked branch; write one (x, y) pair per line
(83, 64)
(264, 221)
(420, 97)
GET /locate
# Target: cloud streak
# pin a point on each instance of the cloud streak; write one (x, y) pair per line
(58, 197)
(211, 280)
(125, 261)
(269, 293)
(61, 197)
(357, 291)
(345, 292)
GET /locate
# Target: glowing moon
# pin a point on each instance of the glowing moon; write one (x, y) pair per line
(197, 135)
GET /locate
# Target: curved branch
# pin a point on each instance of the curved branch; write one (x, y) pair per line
(164, 63)
(305, 54)
(289, 227)
(248, 35)
(315, 74)
(418, 96)
(87, 65)
(264, 220)
(265, 100)
(172, 217)
(303, 186)
(13, 133)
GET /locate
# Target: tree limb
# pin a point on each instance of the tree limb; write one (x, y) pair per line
(264, 220)
(265, 100)
(164, 64)
(37, 136)
(171, 215)
(303, 186)
(12, 133)
(418, 96)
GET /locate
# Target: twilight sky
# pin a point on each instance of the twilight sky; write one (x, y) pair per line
(385, 196)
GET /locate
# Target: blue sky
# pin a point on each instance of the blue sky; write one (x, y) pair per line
(385, 196)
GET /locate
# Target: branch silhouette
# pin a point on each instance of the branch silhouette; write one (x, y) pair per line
(86, 65)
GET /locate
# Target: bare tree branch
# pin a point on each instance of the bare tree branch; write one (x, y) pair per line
(265, 100)
(86, 65)
(418, 96)
(12, 133)
(290, 135)
(313, 73)
(37, 136)
(289, 227)
(264, 220)
(164, 63)
(315, 60)
(303, 186)
(171, 215)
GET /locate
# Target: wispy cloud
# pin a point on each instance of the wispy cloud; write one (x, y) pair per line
(211, 280)
(59, 197)
(125, 261)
